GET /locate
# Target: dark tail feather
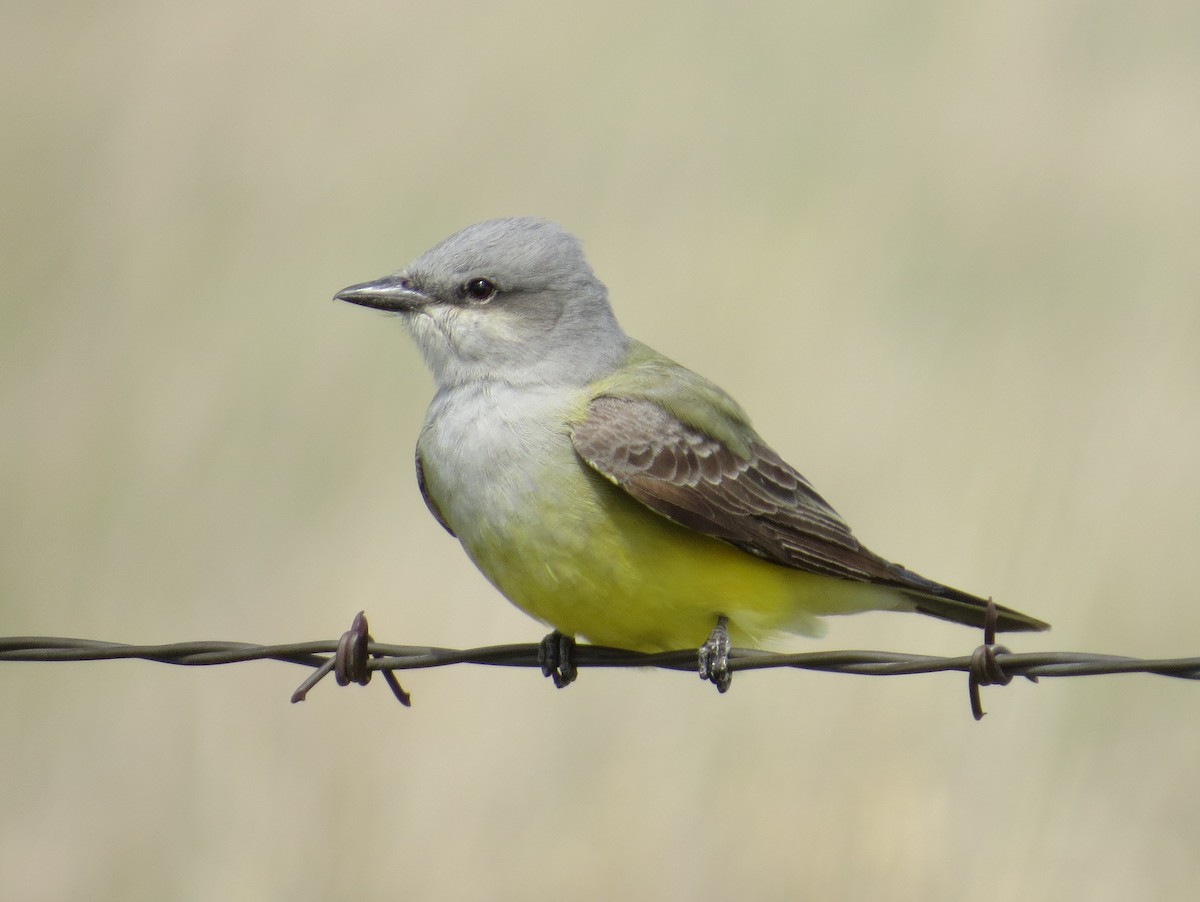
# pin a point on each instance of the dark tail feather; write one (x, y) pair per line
(957, 606)
(1008, 620)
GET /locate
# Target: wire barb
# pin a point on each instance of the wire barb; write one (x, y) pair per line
(351, 663)
(985, 669)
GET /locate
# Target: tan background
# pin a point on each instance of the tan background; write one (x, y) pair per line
(945, 253)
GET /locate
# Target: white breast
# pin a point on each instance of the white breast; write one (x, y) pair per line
(488, 447)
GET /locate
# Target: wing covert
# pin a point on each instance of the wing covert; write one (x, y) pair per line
(758, 503)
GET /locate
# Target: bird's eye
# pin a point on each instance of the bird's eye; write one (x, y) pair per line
(480, 290)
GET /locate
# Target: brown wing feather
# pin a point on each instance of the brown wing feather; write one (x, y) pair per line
(757, 502)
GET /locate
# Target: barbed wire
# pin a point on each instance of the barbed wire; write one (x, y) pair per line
(356, 656)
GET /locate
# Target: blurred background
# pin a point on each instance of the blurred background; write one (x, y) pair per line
(944, 253)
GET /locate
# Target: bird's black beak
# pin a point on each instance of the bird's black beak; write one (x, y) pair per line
(396, 294)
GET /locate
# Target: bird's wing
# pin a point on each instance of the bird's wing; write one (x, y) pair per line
(756, 502)
(429, 502)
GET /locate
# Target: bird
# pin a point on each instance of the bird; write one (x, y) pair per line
(606, 490)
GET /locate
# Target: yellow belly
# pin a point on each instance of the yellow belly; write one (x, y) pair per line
(606, 568)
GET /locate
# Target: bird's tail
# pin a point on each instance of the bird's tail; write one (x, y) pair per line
(945, 603)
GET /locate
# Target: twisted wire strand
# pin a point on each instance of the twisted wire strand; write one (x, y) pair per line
(355, 657)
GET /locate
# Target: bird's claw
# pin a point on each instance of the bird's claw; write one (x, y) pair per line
(556, 655)
(713, 658)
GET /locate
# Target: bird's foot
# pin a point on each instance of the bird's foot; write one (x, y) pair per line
(555, 654)
(714, 656)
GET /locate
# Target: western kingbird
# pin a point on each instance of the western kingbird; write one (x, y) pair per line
(606, 490)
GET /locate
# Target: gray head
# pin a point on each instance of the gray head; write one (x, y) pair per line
(507, 299)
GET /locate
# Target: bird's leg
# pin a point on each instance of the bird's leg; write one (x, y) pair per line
(714, 656)
(555, 655)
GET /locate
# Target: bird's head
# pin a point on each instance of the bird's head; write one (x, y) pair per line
(507, 299)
